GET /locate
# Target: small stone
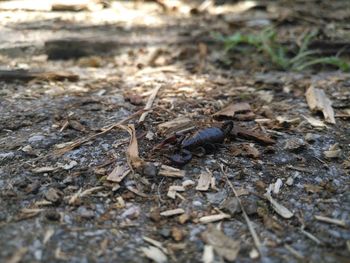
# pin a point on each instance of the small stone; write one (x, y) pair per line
(295, 145)
(36, 138)
(150, 170)
(311, 137)
(290, 181)
(165, 232)
(53, 215)
(177, 233)
(132, 212)
(53, 195)
(85, 212)
(231, 205)
(250, 205)
(216, 198)
(155, 215)
(183, 218)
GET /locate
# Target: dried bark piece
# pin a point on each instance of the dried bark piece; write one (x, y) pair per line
(169, 171)
(155, 254)
(172, 212)
(222, 244)
(250, 135)
(213, 218)
(318, 101)
(118, 174)
(175, 125)
(232, 109)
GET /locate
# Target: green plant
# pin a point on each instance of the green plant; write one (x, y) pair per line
(266, 42)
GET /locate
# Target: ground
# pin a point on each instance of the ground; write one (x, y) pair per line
(59, 203)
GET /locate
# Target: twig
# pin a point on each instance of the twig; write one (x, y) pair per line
(79, 142)
(311, 236)
(149, 103)
(249, 224)
(331, 220)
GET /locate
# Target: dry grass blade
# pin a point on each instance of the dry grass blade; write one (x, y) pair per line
(17, 257)
(329, 220)
(149, 103)
(79, 142)
(246, 218)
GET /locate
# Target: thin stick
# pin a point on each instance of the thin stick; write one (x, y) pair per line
(249, 223)
(149, 103)
(79, 142)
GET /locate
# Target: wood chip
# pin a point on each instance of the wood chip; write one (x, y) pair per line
(279, 209)
(173, 189)
(318, 101)
(118, 173)
(315, 122)
(329, 220)
(169, 171)
(256, 136)
(45, 169)
(208, 254)
(154, 254)
(333, 152)
(213, 218)
(232, 109)
(222, 244)
(172, 212)
(18, 255)
(204, 181)
(175, 125)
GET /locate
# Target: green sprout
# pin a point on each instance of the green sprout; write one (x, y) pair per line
(266, 42)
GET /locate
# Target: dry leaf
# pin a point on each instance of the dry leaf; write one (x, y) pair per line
(222, 244)
(280, 209)
(232, 109)
(318, 101)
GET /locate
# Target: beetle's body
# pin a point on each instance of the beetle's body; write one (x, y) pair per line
(205, 139)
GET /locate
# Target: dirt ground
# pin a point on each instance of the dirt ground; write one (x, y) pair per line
(77, 204)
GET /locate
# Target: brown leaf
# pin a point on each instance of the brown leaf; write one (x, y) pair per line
(253, 135)
(318, 101)
(223, 245)
(232, 109)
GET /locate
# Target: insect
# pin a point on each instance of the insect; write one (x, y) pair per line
(204, 141)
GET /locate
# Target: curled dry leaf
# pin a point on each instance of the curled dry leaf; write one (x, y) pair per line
(318, 101)
(222, 244)
(280, 209)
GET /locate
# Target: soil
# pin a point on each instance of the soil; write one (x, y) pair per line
(58, 205)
